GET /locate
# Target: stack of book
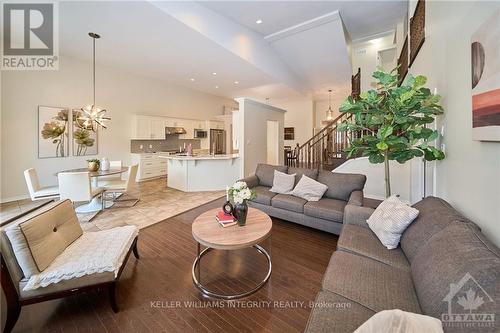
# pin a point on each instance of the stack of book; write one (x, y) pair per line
(225, 220)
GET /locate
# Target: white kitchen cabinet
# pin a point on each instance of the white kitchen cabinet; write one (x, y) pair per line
(150, 166)
(216, 124)
(158, 128)
(148, 128)
(141, 129)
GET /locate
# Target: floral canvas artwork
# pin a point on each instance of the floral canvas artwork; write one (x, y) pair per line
(84, 139)
(53, 132)
(485, 70)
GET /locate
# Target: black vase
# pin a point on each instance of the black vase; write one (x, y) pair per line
(240, 213)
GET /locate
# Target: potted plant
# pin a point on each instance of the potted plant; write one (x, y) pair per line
(394, 120)
(93, 165)
(239, 194)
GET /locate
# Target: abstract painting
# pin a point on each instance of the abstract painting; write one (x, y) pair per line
(84, 139)
(53, 132)
(485, 70)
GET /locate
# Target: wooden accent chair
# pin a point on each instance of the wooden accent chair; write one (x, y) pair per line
(40, 250)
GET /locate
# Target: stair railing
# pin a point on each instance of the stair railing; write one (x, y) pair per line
(328, 143)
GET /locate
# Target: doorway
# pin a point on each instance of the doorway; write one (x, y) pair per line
(272, 142)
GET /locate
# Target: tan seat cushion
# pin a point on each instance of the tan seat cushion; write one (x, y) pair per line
(49, 234)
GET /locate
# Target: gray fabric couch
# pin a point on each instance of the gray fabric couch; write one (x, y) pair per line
(442, 255)
(326, 214)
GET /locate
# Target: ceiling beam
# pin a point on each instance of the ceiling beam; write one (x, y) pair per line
(306, 25)
(234, 37)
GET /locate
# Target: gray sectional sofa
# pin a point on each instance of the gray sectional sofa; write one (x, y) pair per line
(442, 255)
(326, 214)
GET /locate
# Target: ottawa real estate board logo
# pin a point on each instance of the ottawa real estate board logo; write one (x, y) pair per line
(469, 305)
(30, 36)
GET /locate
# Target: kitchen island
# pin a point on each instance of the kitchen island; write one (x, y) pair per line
(202, 173)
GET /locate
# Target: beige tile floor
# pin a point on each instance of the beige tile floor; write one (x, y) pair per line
(157, 203)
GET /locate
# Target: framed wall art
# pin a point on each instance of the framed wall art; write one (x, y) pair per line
(485, 71)
(84, 138)
(53, 132)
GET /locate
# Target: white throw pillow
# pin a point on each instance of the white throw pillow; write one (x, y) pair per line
(282, 182)
(309, 189)
(390, 220)
(397, 321)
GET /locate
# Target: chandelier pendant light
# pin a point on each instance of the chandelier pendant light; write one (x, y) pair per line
(329, 112)
(92, 116)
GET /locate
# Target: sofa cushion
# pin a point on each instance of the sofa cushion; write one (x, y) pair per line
(282, 182)
(311, 173)
(327, 209)
(363, 241)
(50, 233)
(370, 283)
(288, 202)
(265, 173)
(334, 313)
(400, 321)
(435, 214)
(340, 185)
(93, 252)
(390, 220)
(309, 189)
(455, 260)
(13, 239)
(264, 196)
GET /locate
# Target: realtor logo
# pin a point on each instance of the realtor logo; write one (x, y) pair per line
(29, 38)
(469, 305)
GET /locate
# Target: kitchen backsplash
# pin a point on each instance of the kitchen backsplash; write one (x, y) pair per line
(161, 145)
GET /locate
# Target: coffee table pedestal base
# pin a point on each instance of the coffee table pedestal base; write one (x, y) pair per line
(207, 292)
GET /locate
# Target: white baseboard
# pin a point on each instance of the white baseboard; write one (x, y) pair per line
(19, 197)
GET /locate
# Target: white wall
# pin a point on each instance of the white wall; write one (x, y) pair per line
(375, 177)
(299, 115)
(253, 119)
(365, 56)
(320, 108)
(122, 94)
(469, 176)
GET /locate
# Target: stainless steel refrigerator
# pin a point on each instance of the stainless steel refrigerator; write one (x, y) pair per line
(217, 142)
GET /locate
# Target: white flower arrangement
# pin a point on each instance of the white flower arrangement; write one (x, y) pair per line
(239, 193)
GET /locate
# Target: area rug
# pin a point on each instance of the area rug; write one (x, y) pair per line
(156, 204)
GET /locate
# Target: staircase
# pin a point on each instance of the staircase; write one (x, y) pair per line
(327, 149)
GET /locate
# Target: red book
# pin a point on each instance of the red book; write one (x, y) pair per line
(224, 218)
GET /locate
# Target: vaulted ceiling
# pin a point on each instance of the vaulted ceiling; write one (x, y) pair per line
(300, 48)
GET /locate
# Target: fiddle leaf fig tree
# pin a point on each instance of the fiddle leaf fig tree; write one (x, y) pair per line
(393, 120)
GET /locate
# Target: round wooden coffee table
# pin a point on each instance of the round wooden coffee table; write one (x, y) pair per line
(208, 232)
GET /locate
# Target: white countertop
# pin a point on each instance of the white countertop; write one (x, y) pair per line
(200, 157)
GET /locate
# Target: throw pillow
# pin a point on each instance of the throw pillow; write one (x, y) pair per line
(282, 182)
(50, 233)
(390, 220)
(309, 189)
(397, 321)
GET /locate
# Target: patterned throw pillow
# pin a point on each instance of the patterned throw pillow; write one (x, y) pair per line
(309, 189)
(390, 220)
(282, 182)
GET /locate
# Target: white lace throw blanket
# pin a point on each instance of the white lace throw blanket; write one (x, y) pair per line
(93, 252)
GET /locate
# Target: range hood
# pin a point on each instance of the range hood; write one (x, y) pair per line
(174, 130)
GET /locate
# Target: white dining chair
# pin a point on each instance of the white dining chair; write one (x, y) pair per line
(36, 191)
(127, 186)
(112, 165)
(76, 186)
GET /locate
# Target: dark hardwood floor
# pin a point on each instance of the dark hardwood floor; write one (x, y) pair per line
(156, 293)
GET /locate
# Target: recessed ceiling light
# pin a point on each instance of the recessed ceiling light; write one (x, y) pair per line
(236, 82)
(192, 79)
(259, 21)
(214, 73)
(216, 87)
